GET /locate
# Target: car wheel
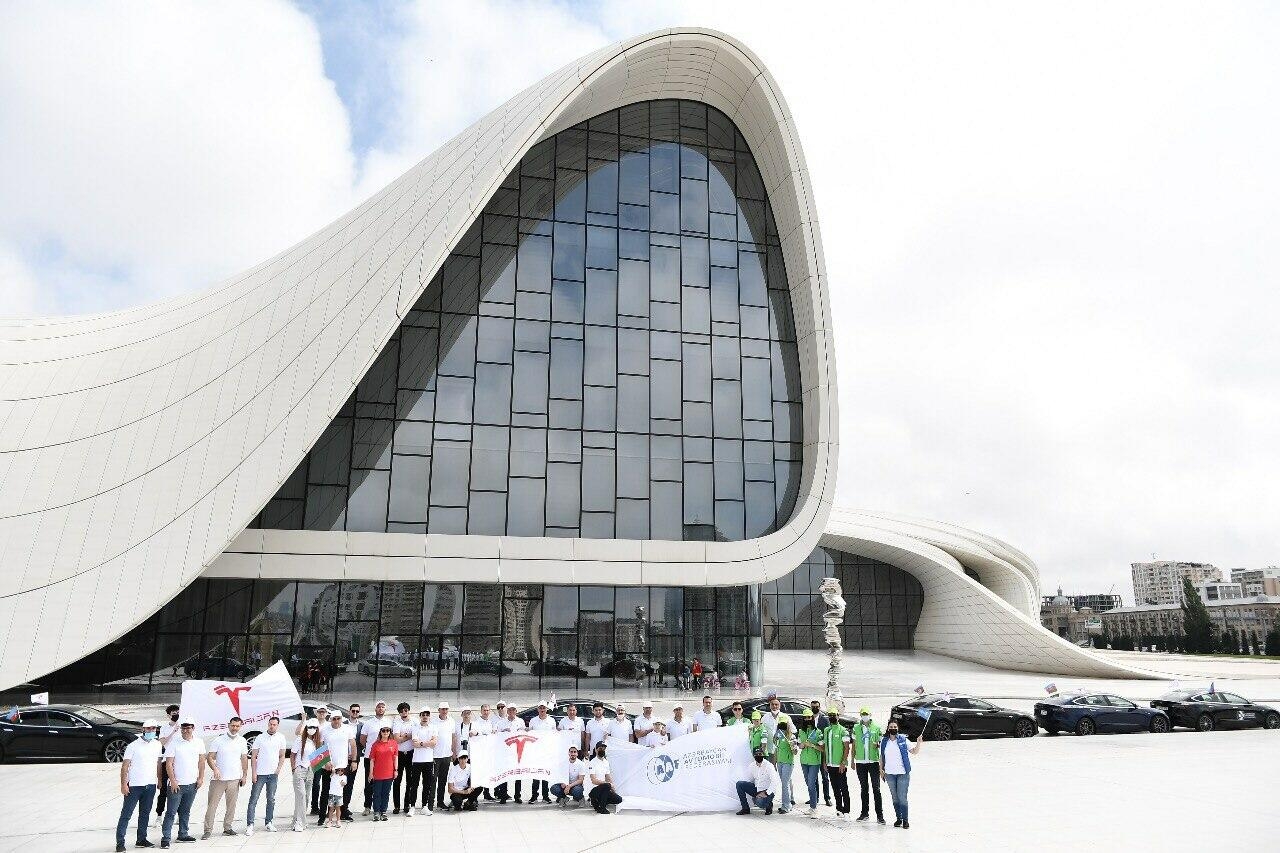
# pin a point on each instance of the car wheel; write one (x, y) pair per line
(1271, 722)
(250, 738)
(1205, 723)
(942, 730)
(113, 752)
(1024, 728)
(1159, 724)
(1085, 727)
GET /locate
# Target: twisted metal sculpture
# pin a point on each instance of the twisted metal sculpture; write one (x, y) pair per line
(833, 597)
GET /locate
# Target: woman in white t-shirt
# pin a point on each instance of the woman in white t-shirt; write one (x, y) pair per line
(895, 767)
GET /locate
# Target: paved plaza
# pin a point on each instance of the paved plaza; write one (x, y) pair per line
(1180, 791)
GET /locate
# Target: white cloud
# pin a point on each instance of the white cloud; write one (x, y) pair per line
(169, 144)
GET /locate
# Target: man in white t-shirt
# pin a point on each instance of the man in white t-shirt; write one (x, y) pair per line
(620, 728)
(680, 725)
(446, 732)
(340, 738)
(266, 766)
(368, 733)
(571, 722)
(462, 795)
(644, 722)
(597, 729)
(228, 759)
(506, 724)
(184, 770)
(600, 791)
(139, 775)
(543, 722)
(402, 731)
(571, 775)
(482, 726)
(706, 718)
(422, 766)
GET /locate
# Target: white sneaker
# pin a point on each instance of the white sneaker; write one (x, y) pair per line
(812, 812)
(269, 827)
(408, 812)
(248, 830)
(297, 827)
(426, 811)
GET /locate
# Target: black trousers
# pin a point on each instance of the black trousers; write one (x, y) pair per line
(368, 785)
(840, 786)
(826, 784)
(536, 786)
(348, 790)
(603, 795)
(162, 792)
(869, 777)
(442, 781)
(403, 761)
(321, 789)
(457, 800)
(421, 772)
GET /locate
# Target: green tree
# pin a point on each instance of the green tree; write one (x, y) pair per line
(1196, 623)
(1255, 647)
(1273, 641)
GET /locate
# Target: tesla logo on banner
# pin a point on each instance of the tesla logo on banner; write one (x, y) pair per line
(232, 694)
(519, 741)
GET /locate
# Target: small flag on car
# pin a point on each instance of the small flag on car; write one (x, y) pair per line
(1212, 688)
(919, 689)
(318, 758)
(924, 713)
(39, 698)
(1051, 689)
(11, 715)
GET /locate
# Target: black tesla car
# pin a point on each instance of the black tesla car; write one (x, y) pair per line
(955, 716)
(1206, 710)
(66, 732)
(1098, 712)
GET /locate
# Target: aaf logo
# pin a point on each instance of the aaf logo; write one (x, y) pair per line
(519, 742)
(232, 694)
(660, 769)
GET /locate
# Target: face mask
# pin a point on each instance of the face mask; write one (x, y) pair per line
(759, 759)
(866, 718)
(174, 715)
(892, 732)
(148, 735)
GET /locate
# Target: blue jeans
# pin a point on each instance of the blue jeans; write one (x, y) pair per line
(784, 773)
(558, 790)
(898, 783)
(811, 782)
(748, 789)
(269, 781)
(139, 797)
(180, 805)
(381, 794)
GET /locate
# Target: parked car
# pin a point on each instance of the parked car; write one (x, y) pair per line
(485, 667)
(1206, 710)
(555, 666)
(584, 709)
(955, 716)
(217, 667)
(385, 668)
(1098, 712)
(791, 706)
(66, 732)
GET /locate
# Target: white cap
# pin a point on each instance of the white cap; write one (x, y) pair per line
(463, 754)
(542, 703)
(443, 705)
(646, 704)
(501, 704)
(466, 709)
(380, 702)
(424, 710)
(676, 706)
(150, 724)
(312, 723)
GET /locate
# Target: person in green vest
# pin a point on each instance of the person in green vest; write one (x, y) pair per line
(786, 748)
(810, 738)
(866, 761)
(735, 717)
(760, 737)
(835, 756)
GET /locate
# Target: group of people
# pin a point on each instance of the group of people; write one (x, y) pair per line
(415, 764)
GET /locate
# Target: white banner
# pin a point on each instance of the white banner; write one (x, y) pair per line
(212, 703)
(504, 757)
(693, 773)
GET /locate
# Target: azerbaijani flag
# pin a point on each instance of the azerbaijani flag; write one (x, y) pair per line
(12, 715)
(1051, 689)
(318, 758)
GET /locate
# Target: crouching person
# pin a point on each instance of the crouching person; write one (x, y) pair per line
(462, 794)
(602, 794)
(761, 787)
(571, 780)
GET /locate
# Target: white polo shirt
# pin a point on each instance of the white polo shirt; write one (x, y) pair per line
(460, 778)
(227, 752)
(268, 746)
(597, 730)
(654, 739)
(369, 729)
(186, 755)
(703, 720)
(142, 756)
(404, 727)
(598, 767)
(339, 742)
(423, 754)
(620, 730)
(677, 728)
(444, 731)
(575, 725)
(643, 725)
(166, 730)
(538, 724)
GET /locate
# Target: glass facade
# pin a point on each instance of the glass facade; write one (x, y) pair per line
(608, 353)
(400, 636)
(882, 604)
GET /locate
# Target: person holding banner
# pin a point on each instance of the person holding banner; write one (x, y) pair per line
(706, 718)
(228, 759)
(866, 736)
(268, 761)
(571, 784)
(302, 744)
(895, 766)
(184, 767)
(680, 725)
(761, 787)
(601, 793)
(657, 736)
(597, 728)
(139, 775)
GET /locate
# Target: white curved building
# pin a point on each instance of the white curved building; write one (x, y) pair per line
(553, 405)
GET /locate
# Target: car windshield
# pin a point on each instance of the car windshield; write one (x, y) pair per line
(921, 701)
(93, 715)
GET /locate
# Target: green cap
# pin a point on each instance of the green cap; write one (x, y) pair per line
(865, 710)
(808, 713)
(755, 715)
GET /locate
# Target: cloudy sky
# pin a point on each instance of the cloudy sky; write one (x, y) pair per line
(1050, 232)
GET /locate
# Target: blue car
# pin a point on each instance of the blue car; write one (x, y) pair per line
(1088, 713)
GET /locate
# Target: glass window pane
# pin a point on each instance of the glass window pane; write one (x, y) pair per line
(525, 507)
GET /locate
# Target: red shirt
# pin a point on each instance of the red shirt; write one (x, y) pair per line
(383, 758)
